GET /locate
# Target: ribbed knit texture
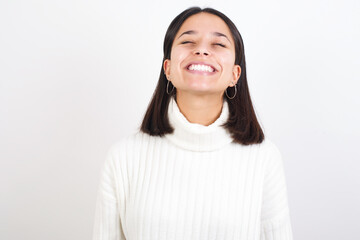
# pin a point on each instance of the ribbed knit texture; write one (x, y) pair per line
(192, 184)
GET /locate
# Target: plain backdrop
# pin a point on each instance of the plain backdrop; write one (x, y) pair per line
(76, 76)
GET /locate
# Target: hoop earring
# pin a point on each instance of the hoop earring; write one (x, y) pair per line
(234, 94)
(167, 88)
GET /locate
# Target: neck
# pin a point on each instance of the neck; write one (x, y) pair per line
(196, 137)
(200, 109)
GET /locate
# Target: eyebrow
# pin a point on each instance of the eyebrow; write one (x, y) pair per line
(218, 34)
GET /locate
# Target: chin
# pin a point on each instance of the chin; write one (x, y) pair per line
(201, 90)
(199, 86)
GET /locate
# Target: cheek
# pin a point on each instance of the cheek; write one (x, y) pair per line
(228, 58)
(227, 61)
(177, 57)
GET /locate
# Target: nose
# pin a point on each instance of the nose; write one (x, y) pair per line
(201, 51)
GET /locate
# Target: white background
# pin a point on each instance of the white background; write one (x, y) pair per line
(76, 76)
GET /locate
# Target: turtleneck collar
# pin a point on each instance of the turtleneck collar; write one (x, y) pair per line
(194, 136)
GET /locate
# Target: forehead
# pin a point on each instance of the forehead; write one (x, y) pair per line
(205, 23)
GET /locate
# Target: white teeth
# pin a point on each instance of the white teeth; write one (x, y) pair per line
(199, 67)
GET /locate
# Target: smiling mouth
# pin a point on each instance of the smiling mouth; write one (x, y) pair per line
(201, 68)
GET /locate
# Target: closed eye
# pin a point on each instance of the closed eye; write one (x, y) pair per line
(185, 42)
(219, 44)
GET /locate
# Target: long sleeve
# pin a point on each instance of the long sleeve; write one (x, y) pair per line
(107, 224)
(275, 215)
(164, 188)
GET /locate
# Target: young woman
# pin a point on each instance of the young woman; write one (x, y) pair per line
(200, 166)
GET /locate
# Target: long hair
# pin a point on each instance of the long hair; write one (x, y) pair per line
(242, 123)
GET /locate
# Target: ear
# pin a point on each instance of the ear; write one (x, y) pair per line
(166, 67)
(236, 74)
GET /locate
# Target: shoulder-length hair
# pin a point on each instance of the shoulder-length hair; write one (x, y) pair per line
(242, 123)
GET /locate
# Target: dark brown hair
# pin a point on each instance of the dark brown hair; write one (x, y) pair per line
(242, 123)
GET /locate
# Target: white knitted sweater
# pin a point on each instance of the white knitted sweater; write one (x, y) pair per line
(192, 184)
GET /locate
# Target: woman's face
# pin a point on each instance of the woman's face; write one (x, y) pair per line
(202, 56)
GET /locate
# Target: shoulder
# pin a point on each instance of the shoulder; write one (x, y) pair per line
(266, 151)
(266, 147)
(272, 154)
(270, 147)
(120, 152)
(132, 142)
